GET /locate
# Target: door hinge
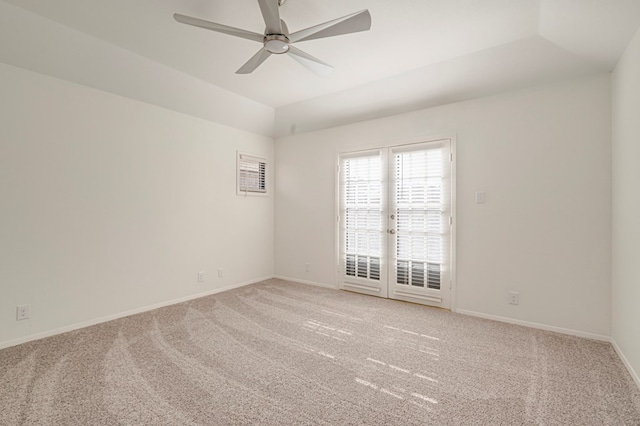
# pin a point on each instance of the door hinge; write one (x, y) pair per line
(338, 218)
(338, 169)
(451, 157)
(450, 220)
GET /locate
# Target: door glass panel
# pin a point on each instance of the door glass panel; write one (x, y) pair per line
(419, 211)
(363, 219)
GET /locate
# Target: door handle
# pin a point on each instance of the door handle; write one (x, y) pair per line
(391, 231)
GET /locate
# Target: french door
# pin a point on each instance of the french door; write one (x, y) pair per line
(395, 219)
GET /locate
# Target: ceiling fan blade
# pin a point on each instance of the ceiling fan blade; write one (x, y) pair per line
(237, 32)
(271, 14)
(356, 22)
(254, 62)
(314, 64)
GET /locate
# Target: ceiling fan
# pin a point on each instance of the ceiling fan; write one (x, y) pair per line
(277, 39)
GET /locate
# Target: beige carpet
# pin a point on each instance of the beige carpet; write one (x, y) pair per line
(281, 353)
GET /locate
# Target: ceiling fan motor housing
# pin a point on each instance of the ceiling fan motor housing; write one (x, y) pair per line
(276, 43)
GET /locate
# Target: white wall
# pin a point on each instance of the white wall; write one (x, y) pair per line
(542, 155)
(626, 207)
(109, 205)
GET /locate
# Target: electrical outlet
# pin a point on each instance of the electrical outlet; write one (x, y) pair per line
(200, 277)
(220, 273)
(22, 312)
(514, 297)
(307, 267)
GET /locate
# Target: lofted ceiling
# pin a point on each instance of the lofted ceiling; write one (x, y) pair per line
(418, 53)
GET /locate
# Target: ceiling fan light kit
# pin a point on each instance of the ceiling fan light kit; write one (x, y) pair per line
(277, 39)
(276, 43)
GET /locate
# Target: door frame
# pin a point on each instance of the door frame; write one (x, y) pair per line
(387, 146)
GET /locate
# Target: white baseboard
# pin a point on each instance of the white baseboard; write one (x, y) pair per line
(100, 320)
(626, 363)
(568, 331)
(314, 283)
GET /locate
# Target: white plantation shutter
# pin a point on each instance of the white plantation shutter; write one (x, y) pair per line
(251, 174)
(420, 216)
(362, 217)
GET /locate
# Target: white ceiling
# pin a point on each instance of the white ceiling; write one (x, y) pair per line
(418, 53)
